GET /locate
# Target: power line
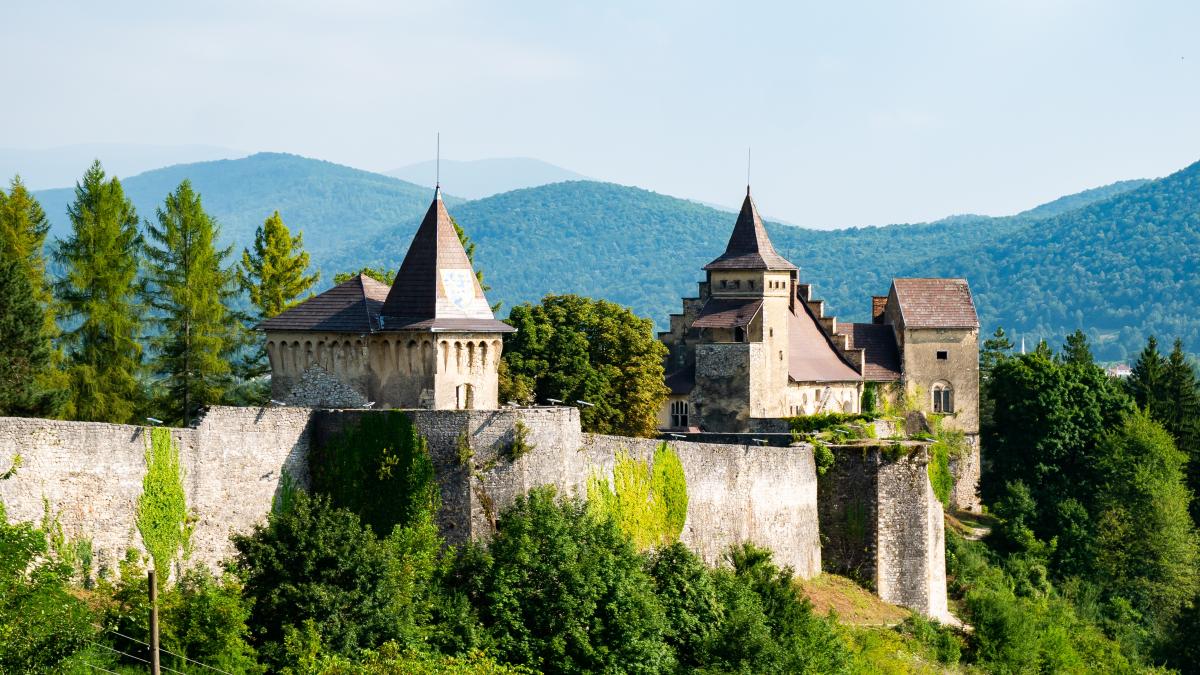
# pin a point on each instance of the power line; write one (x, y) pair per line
(103, 670)
(135, 658)
(178, 656)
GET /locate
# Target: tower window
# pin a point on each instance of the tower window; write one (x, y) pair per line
(739, 334)
(942, 356)
(724, 284)
(943, 398)
(679, 414)
(751, 282)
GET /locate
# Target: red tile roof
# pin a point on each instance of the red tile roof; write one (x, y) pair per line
(727, 313)
(749, 247)
(881, 358)
(935, 303)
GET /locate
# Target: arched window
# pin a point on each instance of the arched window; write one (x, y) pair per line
(679, 414)
(943, 398)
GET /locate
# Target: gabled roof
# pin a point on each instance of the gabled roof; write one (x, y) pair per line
(727, 313)
(436, 288)
(935, 303)
(749, 247)
(350, 307)
(811, 358)
(881, 357)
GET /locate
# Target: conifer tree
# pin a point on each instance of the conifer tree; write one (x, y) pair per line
(1182, 416)
(23, 229)
(1146, 382)
(190, 287)
(1076, 349)
(275, 273)
(24, 349)
(98, 292)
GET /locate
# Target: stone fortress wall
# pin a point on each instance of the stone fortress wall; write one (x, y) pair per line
(89, 477)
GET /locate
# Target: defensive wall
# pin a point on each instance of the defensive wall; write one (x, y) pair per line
(89, 477)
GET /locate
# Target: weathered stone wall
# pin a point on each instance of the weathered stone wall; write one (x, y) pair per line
(882, 523)
(90, 475)
(964, 495)
(722, 392)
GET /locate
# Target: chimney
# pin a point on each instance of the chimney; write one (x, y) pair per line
(878, 305)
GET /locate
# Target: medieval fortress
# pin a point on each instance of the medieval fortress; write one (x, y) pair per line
(753, 348)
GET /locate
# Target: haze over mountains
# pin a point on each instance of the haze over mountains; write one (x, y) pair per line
(481, 178)
(1120, 261)
(44, 168)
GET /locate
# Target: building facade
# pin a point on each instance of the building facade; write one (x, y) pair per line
(755, 345)
(428, 341)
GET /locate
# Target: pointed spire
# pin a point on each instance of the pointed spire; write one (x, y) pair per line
(436, 286)
(749, 247)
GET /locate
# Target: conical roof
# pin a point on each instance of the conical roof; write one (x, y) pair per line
(436, 288)
(749, 247)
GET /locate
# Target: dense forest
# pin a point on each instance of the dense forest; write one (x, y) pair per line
(1119, 261)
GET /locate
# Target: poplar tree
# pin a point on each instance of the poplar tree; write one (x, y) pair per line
(189, 287)
(99, 302)
(275, 273)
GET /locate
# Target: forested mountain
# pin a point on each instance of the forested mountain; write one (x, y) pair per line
(329, 202)
(1120, 256)
(1119, 269)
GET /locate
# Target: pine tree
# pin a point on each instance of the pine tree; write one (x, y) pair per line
(1147, 381)
(98, 292)
(24, 350)
(1182, 416)
(23, 229)
(190, 288)
(275, 273)
(1076, 349)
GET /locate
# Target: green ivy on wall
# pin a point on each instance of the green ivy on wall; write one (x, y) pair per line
(379, 468)
(948, 444)
(162, 515)
(647, 501)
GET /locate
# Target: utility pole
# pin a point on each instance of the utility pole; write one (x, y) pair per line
(154, 666)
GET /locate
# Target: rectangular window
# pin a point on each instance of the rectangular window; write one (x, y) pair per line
(942, 356)
(679, 414)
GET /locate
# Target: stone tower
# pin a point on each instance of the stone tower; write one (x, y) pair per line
(428, 341)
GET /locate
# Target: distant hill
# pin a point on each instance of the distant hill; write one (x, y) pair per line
(1120, 268)
(330, 203)
(44, 168)
(1122, 255)
(481, 178)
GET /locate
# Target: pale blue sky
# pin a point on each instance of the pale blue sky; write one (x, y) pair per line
(857, 112)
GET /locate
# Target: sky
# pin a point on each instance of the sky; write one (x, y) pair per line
(855, 113)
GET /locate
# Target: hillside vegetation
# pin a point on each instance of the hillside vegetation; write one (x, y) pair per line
(1117, 261)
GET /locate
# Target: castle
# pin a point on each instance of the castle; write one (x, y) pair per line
(753, 348)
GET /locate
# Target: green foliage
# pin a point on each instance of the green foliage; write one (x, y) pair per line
(647, 501)
(285, 496)
(560, 589)
(322, 564)
(275, 275)
(870, 397)
(44, 627)
(807, 424)
(190, 288)
(379, 468)
(25, 351)
(520, 445)
(98, 294)
(945, 644)
(823, 457)
(162, 515)
(574, 348)
(383, 276)
(948, 444)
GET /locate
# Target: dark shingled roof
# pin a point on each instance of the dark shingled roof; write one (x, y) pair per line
(881, 358)
(436, 288)
(727, 313)
(350, 307)
(749, 247)
(935, 303)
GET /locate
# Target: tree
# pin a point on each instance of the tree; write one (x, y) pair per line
(25, 352)
(995, 349)
(190, 288)
(314, 563)
(1182, 416)
(98, 292)
(559, 589)
(573, 348)
(387, 277)
(1076, 349)
(1146, 382)
(275, 274)
(1147, 543)
(23, 229)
